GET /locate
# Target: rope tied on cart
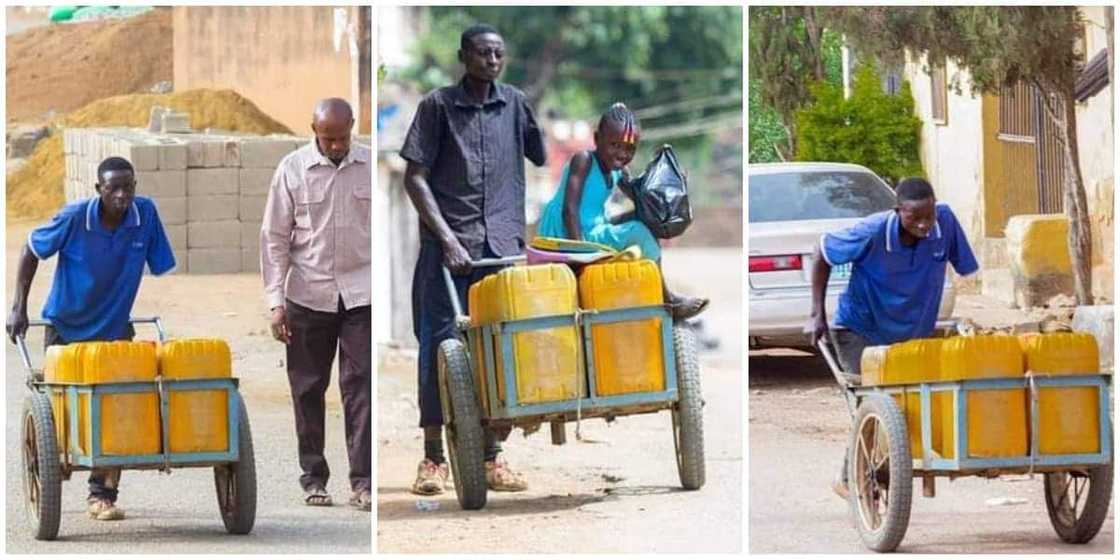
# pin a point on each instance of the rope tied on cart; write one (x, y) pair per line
(579, 377)
(162, 395)
(1032, 388)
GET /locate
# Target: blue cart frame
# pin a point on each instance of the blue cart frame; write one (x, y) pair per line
(677, 344)
(883, 530)
(48, 461)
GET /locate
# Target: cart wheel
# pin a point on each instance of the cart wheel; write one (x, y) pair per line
(1078, 502)
(236, 483)
(463, 426)
(42, 474)
(880, 474)
(688, 414)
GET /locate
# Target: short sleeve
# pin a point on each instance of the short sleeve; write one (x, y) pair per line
(48, 239)
(533, 139)
(960, 252)
(160, 258)
(422, 143)
(849, 244)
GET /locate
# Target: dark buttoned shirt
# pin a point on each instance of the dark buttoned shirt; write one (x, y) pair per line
(475, 154)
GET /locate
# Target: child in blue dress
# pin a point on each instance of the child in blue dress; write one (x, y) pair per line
(577, 210)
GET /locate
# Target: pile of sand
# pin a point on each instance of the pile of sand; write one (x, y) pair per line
(35, 189)
(61, 67)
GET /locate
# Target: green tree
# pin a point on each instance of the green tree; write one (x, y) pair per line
(998, 46)
(789, 50)
(871, 128)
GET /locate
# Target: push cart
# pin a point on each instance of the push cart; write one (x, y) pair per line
(881, 468)
(465, 412)
(47, 461)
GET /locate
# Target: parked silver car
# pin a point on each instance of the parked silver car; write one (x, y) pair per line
(791, 206)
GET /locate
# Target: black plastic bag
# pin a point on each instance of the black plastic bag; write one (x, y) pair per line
(661, 195)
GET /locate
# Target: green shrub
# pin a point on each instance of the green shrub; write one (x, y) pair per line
(871, 128)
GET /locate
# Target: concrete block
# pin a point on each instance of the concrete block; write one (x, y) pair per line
(213, 261)
(214, 153)
(221, 180)
(177, 235)
(224, 234)
(1038, 257)
(232, 153)
(68, 141)
(264, 153)
(1098, 320)
(172, 209)
(172, 122)
(172, 155)
(251, 208)
(142, 155)
(160, 183)
(250, 235)
(212, 208)
(250, 260)
(255, 181)
(196, 153)
(998, 284)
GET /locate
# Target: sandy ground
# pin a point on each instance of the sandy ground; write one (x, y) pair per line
(798, 428)
(178, 513)
(618, 491)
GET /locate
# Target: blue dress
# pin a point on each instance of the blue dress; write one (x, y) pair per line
(592, 215)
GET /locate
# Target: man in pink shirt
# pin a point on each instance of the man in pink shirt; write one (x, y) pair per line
(315, 261)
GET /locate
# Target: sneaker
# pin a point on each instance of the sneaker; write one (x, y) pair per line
(500, 478)
(840, 487)
(104, 510)
(431, 478)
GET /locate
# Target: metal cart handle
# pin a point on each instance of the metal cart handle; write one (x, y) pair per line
(456, 305)
(25, 356)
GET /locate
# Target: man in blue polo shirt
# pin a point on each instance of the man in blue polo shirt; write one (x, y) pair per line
(898, 262)
(103, 244)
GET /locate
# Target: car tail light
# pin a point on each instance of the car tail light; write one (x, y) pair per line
(775, 263)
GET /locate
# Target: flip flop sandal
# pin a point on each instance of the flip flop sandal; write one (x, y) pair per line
(680, 312)
(317, 497)
(361, 500)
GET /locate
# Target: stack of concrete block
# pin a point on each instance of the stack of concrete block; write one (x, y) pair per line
(210, 189)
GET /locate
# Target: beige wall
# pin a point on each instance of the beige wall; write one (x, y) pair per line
(282, 58)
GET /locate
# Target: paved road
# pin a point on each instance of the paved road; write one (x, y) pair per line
(178, 513)
(798, 425)
(618, 491)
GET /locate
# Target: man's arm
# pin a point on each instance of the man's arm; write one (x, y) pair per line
(276, 244)
(17, 320)
(573, 191)
(455, 256)
(821, 272)
(533, 137)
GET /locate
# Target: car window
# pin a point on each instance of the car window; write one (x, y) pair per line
(817, 195)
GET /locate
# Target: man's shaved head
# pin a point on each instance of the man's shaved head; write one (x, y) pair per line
(333, 108)
(331, 122)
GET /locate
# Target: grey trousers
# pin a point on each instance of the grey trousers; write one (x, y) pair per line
(849, 349)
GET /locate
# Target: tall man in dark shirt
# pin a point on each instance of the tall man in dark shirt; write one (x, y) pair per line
(466, 153)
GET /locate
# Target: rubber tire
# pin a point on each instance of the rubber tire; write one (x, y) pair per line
(901, 473)
(1096, 507)
(462, 419)
(688, 413)
(240, 515)
(44, 515)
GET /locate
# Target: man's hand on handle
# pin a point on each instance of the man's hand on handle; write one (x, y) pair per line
(818, 327)
(455, 257)
(279, 325)
(17, 324)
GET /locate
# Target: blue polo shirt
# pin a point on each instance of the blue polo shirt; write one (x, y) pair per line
(895, 291)
(98, 272)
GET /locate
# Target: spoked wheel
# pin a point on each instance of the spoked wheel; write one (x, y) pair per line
(462, 419)
(236, 483)
(1078, 502)
(880, 473)
(688, 413)
(42, 474)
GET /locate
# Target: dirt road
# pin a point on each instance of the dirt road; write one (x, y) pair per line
(617, 491)
(179, 513)
(798, 428)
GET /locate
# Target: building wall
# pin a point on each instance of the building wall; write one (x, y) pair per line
(1095, 138)
(951, 153)
(283, 59)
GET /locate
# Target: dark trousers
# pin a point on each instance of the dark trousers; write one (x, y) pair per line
(103, 482)
(849, 351)
(433, 321)
(315, 336)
